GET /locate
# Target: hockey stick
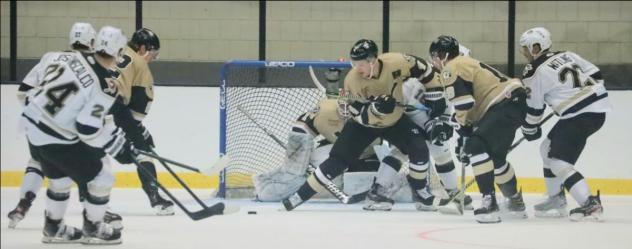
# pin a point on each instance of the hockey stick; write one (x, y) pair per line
(465, 186)
(216, 209)
(316, 81)
(213, 170)
(334, 190)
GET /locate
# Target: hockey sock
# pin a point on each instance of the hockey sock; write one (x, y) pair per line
(417, 175)
(505, 178)
(148, 186)
(573, 181)
(387, 171)
(448, 175)
(553, 184)
(483, 168)
(57, 196)
(32, 181)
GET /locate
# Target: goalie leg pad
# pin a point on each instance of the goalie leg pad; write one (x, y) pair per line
(57, 197)
(388, 170)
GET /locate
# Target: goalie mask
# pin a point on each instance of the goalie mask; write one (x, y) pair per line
(343, 109)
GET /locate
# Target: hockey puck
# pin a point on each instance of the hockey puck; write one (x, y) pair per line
(252, 212)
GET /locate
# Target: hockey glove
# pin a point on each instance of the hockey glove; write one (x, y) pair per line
(531, 132)
(119, 147)
(382, 105)
(438, 131)
(437, 105)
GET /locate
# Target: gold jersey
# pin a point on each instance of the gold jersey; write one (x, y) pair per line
(135, 83)
(325, 120)
(473, 87)
(392, 70)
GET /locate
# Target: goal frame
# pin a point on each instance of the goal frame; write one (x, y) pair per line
(223, 98)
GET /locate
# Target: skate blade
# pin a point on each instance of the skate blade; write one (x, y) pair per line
(160, 211)
(97, 241)
(53, 240)
(377, 207)
(13, 223)
(595, 217)
(488, 218)
(551, 214)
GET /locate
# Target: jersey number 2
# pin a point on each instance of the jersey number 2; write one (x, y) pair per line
(574, 73)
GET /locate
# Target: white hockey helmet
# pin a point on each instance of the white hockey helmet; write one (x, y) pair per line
(463, 50)
(111, 41)
(537, 35)
(82, 33)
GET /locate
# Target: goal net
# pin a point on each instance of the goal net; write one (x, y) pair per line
(274, 94)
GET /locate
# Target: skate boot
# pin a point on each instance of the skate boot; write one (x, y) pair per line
(292, 202)
(552, 207)
(427, 202)
(114, 219)
(162, 206)
(514, 206)
(99, 233)
(55, 231)
(488, 212)
(17, 214)
(377, 200)
(590, 211)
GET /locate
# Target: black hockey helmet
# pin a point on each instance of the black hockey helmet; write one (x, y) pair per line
(444, 44)
(363, 49)
(145, 37)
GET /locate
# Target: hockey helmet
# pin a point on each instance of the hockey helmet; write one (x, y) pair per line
(111, 41)
(146, 37)
(363, 49)
(537, 35)
(444, 46)
(82, 33)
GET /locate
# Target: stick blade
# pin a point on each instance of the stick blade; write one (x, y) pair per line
(220, 165)
(217, 209)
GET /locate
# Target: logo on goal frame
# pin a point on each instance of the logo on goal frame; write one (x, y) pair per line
(280, 64)
(222, 95)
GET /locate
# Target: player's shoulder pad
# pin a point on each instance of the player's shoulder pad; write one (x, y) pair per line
(104, 75)
(530, 69)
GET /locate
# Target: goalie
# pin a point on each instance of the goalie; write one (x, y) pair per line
(303, 154)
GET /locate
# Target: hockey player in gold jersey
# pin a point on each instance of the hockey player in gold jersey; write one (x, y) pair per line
(135, 84)
(375, 85)
(489, 107)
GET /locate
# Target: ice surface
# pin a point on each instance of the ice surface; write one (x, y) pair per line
(326, 224)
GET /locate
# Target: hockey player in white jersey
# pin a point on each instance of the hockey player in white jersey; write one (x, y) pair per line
(573, 88)
(81, 37)
(69, 134)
